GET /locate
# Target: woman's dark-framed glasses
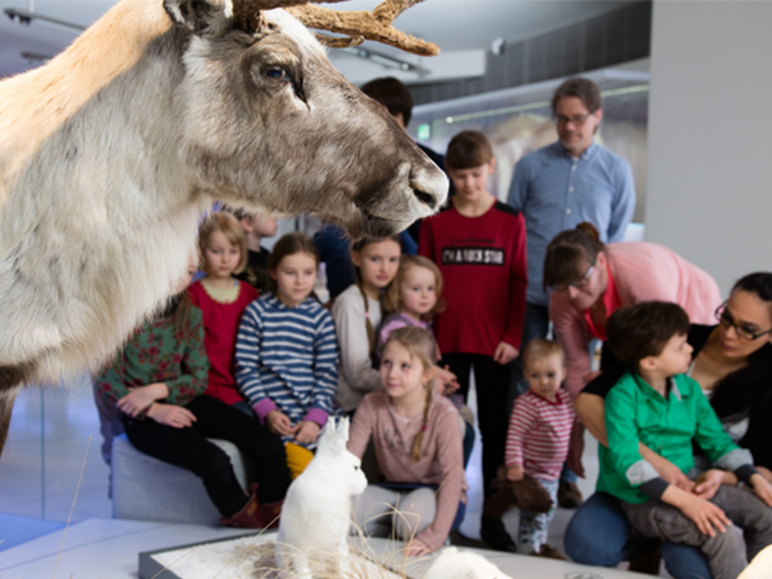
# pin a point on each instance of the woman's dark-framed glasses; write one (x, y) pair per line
(725, 319)
(578, 284)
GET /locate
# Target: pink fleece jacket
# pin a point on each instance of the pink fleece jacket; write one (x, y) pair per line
(642, 272)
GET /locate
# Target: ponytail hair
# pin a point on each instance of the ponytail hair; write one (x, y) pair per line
(358, 246)
(421, 345)
(566, 252)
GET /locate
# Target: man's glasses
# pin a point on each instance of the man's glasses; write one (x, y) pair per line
(747, 333)
(580, 283)
(578, 120)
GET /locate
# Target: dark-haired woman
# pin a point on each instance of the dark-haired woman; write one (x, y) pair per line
(732, 361)
(158, 384)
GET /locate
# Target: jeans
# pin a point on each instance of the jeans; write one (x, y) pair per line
(599, 534)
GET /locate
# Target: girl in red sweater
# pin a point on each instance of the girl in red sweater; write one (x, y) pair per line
(222, 299)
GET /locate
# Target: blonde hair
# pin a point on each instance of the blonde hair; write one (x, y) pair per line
(392, 299)
(358, 247)
(420, 344)
(229, 226)
(540, 349)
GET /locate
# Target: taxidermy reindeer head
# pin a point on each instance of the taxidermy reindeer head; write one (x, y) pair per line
(111, 151)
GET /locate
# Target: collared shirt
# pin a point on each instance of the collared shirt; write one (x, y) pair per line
(636, 412)
(555, 192)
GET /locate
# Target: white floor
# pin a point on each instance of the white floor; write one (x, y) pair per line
(32, 505)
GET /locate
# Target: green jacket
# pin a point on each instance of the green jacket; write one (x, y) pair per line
(635, 412)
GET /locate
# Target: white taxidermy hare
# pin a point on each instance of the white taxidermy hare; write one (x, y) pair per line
(455, 564)
(315, 519)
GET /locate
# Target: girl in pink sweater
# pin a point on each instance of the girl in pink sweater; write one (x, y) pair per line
(417, 445)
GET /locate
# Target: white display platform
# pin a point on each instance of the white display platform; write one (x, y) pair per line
(109, 549)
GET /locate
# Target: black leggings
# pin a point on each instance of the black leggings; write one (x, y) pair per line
(492, 381)
(189, 449)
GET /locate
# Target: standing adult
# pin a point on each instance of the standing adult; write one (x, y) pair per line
(560, 186)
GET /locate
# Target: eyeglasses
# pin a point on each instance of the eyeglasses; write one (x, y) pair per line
(578, 120)
(581, 283)
(725, 319)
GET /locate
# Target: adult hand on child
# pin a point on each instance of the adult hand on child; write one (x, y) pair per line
(504, 353)
(669, 472)
(279, 423)
(417, 548)
(141, 397)
(707, 516)
(762, 488)
(308, 431)
(515, 473)
(447, 380)
(171, 415)
(766, 472)
(708, 483)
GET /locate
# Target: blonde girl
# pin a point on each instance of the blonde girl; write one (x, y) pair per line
(222, 300)
(357, 313)
(287, 353)
(418, 447)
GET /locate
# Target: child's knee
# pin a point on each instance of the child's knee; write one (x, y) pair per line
(298, 458)
(414, 513)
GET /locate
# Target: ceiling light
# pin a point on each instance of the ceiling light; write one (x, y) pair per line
(24, 17)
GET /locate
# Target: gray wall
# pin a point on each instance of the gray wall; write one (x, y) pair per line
(710, 135)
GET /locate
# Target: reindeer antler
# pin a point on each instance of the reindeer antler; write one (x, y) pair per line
(246, 13)
(359, 25)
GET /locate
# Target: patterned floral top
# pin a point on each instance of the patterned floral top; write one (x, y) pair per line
(159, 353)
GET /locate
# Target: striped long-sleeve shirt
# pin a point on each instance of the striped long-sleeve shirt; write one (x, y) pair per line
(539, 433)
(287, 359)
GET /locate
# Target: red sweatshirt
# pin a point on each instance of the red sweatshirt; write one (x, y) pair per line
(483, 264)
(221, 325)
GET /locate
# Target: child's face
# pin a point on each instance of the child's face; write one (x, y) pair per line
(221, 257)
(378, 262)
(675, 358)
(545, 375)
(295, 276)
(472, 184)
(417, 291)
(402, 375)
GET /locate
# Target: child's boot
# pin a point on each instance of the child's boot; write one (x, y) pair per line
(250, 516)
(270, 513)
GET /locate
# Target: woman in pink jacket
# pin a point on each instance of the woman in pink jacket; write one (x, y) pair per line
(589, 280)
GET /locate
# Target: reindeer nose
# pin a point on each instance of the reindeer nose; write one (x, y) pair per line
(427, 199)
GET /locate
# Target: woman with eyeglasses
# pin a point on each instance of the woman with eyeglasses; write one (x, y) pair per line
(732, 362)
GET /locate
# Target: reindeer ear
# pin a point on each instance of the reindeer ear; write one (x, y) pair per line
(342, 434)
(198, 16)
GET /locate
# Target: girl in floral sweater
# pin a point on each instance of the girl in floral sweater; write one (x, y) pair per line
(158, 383)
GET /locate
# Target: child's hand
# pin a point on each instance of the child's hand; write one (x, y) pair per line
(171, 415)
(504, 353)
(447, 380)
(141, 397)
(704, 514)
(515, 473)
(279, 423)
(762, 488)
(308, 431)
(708, 483)
(417, 548)
(766, 472)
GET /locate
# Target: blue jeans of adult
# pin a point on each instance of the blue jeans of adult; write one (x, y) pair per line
(599, 534)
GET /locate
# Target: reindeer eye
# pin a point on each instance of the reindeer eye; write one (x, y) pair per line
(356, 468)
(276, 73)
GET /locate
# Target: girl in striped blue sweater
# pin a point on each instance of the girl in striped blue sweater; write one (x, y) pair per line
(287, 352)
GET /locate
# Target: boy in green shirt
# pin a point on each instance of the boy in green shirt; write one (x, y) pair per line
(655, 404)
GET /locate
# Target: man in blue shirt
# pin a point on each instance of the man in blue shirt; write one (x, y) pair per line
(558, 187)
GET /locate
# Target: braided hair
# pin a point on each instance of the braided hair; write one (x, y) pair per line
(420, 344)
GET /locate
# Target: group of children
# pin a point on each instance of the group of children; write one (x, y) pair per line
(392, 352)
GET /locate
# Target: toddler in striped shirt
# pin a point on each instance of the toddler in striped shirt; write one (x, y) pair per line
(538, 437)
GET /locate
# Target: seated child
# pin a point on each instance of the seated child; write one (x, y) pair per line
(158, 381)
(656, 404)
(538, 437)
(222, 299)
(256, 228)
(286, 352)
(418, 447)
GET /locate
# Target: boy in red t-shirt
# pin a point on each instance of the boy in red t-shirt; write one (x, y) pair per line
(479, 245)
